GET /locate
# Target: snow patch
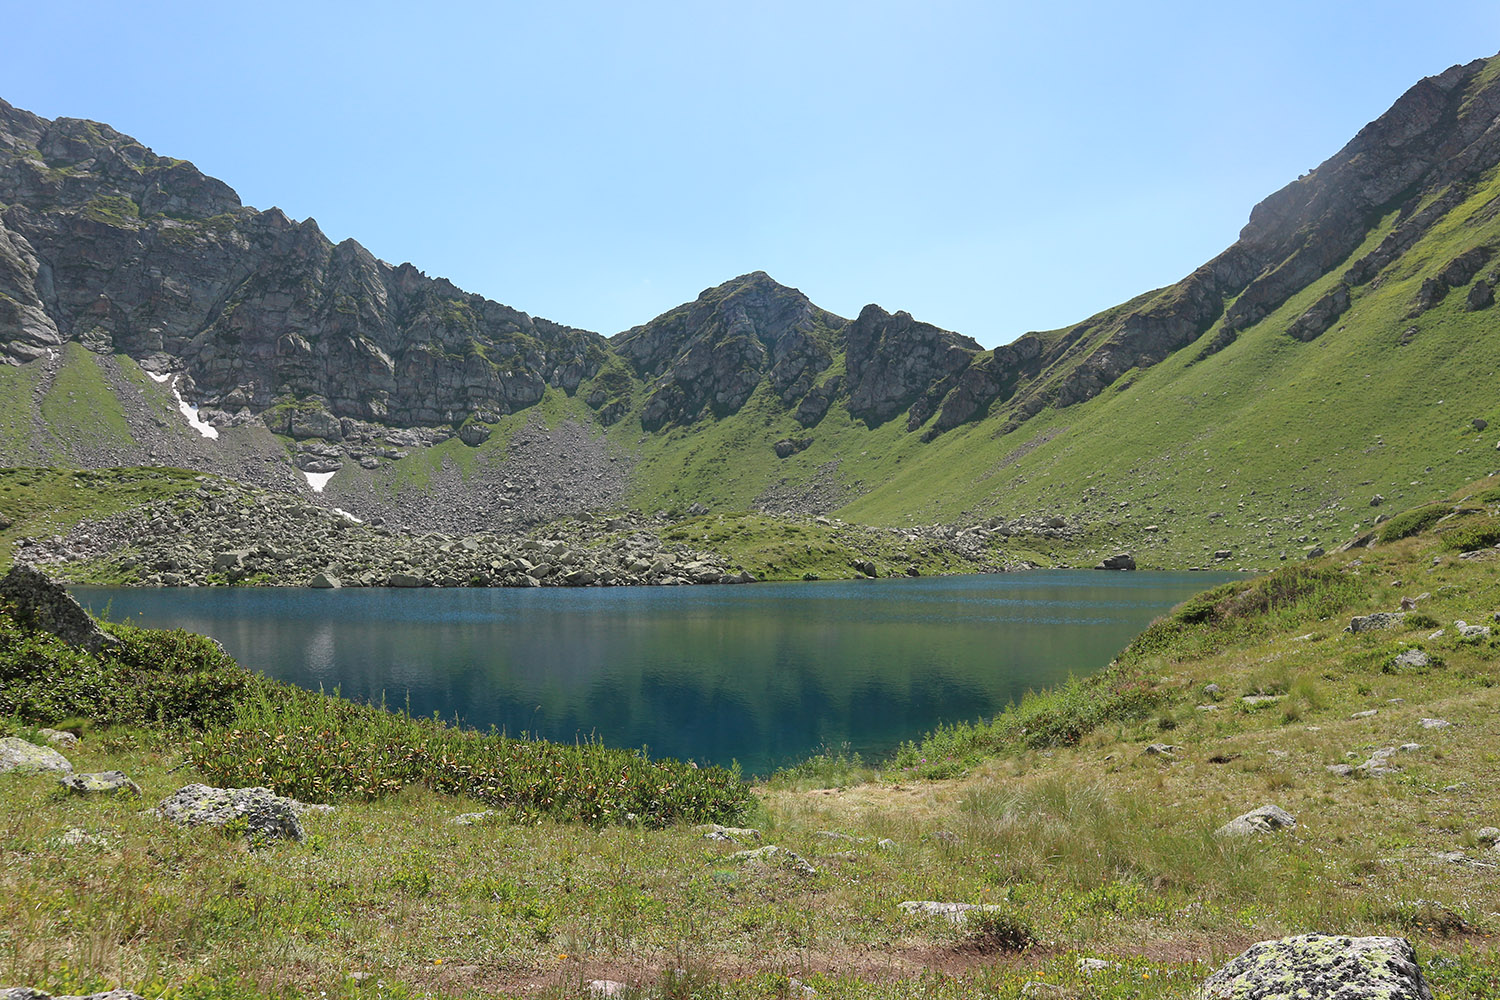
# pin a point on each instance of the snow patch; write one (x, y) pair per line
(203, 427)
(188, 410)
(318, 480)
(341, 512)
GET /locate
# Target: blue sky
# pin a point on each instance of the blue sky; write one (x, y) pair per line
(989, 167)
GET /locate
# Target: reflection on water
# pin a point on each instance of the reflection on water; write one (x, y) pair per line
(762, 674)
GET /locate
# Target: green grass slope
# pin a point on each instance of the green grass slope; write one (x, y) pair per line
(1055, 813)
(1265, 448)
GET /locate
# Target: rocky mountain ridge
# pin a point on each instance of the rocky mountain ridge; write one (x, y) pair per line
(325, 360)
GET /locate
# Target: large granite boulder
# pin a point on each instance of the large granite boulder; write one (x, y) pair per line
(16, 755)
(267, 816)
(42, 603)
(1324, 966)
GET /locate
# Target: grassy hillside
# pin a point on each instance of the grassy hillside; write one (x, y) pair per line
(1266, 447)
(1055, 812)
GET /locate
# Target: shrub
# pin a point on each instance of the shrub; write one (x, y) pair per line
(1471, 534)
(319, 748)
(1413, 522)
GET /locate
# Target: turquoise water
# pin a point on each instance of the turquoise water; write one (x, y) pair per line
(765, 674)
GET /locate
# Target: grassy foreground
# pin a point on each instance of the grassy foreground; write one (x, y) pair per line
(1054, 812)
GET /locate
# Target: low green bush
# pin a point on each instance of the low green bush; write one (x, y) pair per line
(1289, 596)
(1471, 534)
(1413, 522)
(320, 748)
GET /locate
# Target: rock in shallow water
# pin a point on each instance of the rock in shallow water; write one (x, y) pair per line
(1322, 965)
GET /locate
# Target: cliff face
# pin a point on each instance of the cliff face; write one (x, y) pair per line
(106, 243)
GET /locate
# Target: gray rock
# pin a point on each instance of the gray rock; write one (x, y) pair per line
(607, 988)
(1038, 990)
(267, 816)
(735, 834)
(1368, 713)
(1468, 631)
(1487, 834)
(1315, 552)
(1161, 750)
(1434, 723)
(43, 604)
(1379, 620)
(27, 993)
(474, 819)
(405, 580)
(1266, 819)
(101, 783)
(58, 737)
(325, 581)
(1118, 561)
(955, 912)
(1322, 965)
(771, 854)
(1254, 700)
(1212, 690)
(77, 836)
(1379, 762)
(1411, 659)
(20, 757)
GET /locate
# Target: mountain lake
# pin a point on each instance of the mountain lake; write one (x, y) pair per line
(765, 674)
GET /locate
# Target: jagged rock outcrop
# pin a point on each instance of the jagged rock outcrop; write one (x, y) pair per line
(894, 360)
(40, 603)
(106, 243)
(709, 355)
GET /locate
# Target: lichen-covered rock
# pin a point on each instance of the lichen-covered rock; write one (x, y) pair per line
(43, 604)
(266, 815)
(27, 758)
(1379, 620)
(101, 783)
(773, 855)
(1266, 819)
(955, 912)
(1328, 967)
